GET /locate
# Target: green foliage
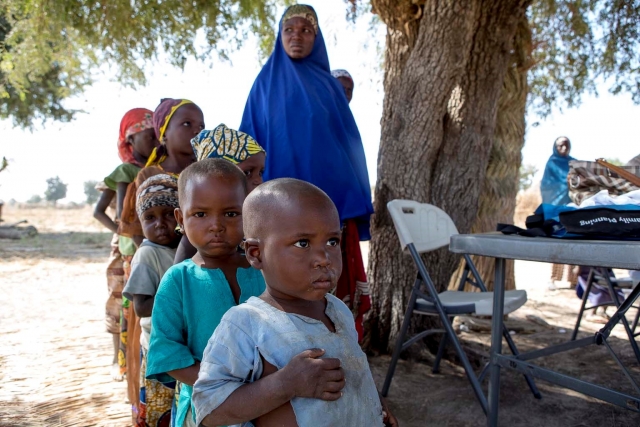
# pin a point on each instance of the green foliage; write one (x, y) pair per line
(49, 49)
(38, 95)
(56, 190)
(35, 199)
(526, 176)
(90, 192)
(577, 43)
(4, 164)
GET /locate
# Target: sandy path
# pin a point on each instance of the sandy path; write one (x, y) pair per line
(55, 353)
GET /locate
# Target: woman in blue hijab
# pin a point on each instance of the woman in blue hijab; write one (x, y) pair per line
(300, 114)
(554, 187)
(555, 191)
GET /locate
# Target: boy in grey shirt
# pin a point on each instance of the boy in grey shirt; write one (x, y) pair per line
(292, 232)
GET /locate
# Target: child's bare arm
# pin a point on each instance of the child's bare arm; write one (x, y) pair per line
(305, 376)
(143, 304)
(187, 375)
(100, 211)
(121, 193)
(120, 196)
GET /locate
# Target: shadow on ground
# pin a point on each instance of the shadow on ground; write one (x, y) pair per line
(64, 246)
(419, 397)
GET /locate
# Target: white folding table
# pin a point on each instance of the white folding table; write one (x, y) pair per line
(597, 253)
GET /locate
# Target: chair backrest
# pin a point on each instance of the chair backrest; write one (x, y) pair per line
(422, 224)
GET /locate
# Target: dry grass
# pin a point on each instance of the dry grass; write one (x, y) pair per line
(54, 220)
(526, 203)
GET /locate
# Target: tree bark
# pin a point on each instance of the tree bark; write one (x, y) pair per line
(500, 188)
(444, 70)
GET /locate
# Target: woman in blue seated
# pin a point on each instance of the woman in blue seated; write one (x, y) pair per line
(300, 114)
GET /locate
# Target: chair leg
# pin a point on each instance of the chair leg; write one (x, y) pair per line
(441, 347)
(471, 375)
(483, 373)
(623, 319)
(585, 296)
(515, 352)
(474, 271)
(635, 321)
(400, 341)
(463, 278)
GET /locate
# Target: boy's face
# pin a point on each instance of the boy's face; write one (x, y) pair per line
(299, 252)
(253, 168)
(186, 123)
(211, 214)
(159, 225)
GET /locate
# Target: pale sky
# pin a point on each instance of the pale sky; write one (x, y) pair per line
(85, 149)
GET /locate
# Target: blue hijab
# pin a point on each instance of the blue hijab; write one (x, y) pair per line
(299, 113)
(554, 187)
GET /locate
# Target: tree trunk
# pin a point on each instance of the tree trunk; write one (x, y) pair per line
(498, 197)
(444, 70)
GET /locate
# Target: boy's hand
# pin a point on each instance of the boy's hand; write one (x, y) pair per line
(306, 375)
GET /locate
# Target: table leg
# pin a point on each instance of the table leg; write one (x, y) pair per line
(496, 342)
(623, 318)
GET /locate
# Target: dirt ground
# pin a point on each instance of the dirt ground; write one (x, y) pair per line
(55, 353)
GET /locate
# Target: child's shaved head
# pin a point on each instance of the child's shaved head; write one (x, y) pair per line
(264, 204)
(218, 168)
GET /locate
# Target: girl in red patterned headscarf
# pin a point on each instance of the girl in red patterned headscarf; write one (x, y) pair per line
(137, 137)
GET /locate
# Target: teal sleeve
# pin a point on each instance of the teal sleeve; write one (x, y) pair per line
(168, 350)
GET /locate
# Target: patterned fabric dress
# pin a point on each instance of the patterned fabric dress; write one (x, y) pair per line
(115, 285)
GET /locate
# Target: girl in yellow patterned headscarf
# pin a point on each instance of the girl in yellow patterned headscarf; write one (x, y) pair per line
(237, 147)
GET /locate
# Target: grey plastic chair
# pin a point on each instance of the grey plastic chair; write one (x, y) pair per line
(423, 228)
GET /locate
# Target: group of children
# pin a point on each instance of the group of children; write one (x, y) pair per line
(257, 266)
(220, 286)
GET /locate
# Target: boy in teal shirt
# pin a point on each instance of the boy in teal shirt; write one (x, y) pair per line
(195, 294)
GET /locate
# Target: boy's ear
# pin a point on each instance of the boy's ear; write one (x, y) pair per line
(252, 251)
(179, 218)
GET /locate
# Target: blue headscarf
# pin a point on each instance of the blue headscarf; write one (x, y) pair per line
(554, 187)
(300, 115)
